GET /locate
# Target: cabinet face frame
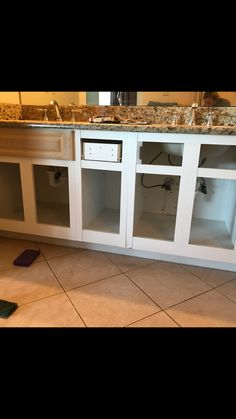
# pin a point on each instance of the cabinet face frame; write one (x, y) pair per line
(128, 142)
(188, 173)
(30, 224)
(129, 167)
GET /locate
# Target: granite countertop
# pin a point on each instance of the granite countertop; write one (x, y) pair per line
(161, 128)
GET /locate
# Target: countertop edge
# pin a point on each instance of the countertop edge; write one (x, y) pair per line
(153, 128)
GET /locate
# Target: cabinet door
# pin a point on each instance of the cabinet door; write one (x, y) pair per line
(12, 215)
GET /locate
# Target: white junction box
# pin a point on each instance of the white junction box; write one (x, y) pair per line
(102, 151)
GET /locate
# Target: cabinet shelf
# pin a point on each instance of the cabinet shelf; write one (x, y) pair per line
(108, 221)
(211, 233)
(155, 226)
(53, 213)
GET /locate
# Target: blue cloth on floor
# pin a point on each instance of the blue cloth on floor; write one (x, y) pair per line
(7, 308)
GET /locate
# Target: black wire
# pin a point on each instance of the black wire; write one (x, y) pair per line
(200, 165)
(152, 186)
(142, 177)
(169, 160)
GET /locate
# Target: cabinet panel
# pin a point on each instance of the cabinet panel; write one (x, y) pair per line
(105, 186)
(11, 202)
(217, 156)
(101, 194)
(38, 143)
(156, 201)
(51, 195)
(160, 153)
(214, 213)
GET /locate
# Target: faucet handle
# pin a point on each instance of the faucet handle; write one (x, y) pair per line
(73, 111)
(210, 119)
(175, 119)
(45, 111)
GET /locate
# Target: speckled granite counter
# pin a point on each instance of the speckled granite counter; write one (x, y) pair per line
(161, 128)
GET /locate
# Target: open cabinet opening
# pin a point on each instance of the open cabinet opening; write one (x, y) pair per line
(101, 200)
(214, 213)
(156, 200)
(52, 195)
(11, 202)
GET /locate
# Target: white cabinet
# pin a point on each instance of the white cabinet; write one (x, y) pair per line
(167, 194)
(192, 211)
(104, 185)
(37, 192)
(37, 197)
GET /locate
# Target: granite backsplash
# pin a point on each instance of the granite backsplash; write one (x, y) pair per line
(149, 114)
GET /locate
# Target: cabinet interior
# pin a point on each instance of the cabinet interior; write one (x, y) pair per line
(101, 191)
(11, 202)
(52, 194)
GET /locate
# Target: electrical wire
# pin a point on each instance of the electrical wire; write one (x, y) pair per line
(203, 188)
(142, 176)
(169, 160)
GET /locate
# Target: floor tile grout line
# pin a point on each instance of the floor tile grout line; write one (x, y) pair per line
(76, 309)
(124, 273)
(226, 296)
(188, 299)
(213, 286)
(198, 277)
(128, 270)
(97, 280)
(134, 283)
(172, 318)
(180, 302)
(59, 256)
(41, 298)
(91, 283)
(141, 267)
(146, 317)
(65, 291)
(143, 318)
(112, 262)
(132, 269)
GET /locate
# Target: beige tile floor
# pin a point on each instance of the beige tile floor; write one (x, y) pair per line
(68, 287)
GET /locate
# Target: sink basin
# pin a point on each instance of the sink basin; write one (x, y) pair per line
(206, 150)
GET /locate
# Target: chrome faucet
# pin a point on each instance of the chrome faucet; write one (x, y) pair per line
(55, 104)
(209, 122)
(193, 114)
